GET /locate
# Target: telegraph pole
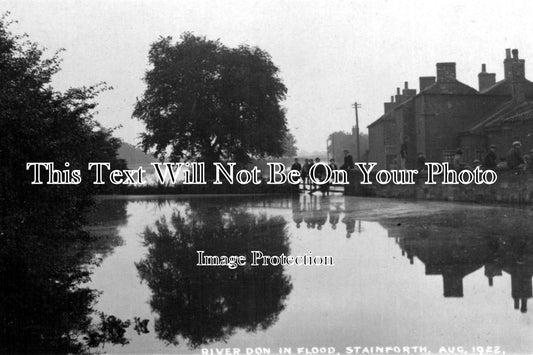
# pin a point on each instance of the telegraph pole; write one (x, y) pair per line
(356, 106)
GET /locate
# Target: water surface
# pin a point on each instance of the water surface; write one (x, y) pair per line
(406, 274)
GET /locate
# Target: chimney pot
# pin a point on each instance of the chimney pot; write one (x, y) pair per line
(483, 68)
(397, 91)
(392, 99)
(508, 53)
(406, 85)
(515, 53)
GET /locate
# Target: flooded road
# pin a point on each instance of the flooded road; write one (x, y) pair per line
(405, 274)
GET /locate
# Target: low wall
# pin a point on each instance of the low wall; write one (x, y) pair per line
(510, 187)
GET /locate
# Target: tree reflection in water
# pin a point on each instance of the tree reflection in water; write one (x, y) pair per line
(44, 307)
(208, 304)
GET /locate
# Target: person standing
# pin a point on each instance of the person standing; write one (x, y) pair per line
(457, 163)
(305, 173)
(514, 157)
(348, 161)
(490, 160)
(332, 164)
(319, 173)
(298, 167)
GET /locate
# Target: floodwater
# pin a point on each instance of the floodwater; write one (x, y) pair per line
(405, 273)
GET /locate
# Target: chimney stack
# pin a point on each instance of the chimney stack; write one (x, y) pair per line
(446, 72)
(398, 98)
(514, 67)
(485, 80)
(389, 105)
(426, 81)
(407, 93)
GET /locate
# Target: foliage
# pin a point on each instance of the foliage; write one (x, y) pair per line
(44, 253)
(44, 307)
(289, 145)
(110, 329)
(207, 101)
(39, 124)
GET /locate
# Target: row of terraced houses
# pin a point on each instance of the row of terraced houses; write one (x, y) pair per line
(446, 115)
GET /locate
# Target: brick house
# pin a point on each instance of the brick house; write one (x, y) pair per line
(509, 122)
(447, 114)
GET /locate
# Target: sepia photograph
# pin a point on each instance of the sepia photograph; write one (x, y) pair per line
(245, 177)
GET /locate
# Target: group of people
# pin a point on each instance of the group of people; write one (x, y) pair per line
(320, 172)
(513, 160)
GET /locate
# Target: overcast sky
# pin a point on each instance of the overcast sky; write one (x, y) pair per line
(330, 53)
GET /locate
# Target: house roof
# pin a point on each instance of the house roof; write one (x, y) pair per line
(449, 88)
(517, 112)
(382, 118)
(510, 112)
(438, 88)
(504, 87)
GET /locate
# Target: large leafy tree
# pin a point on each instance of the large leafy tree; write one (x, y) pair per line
(207, 101)
(45, 254)
(40, 124)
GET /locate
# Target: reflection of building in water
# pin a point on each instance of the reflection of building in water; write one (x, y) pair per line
(521, 287)
(452, 244)
(452, 257)
(495, 244)
(491, 270)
